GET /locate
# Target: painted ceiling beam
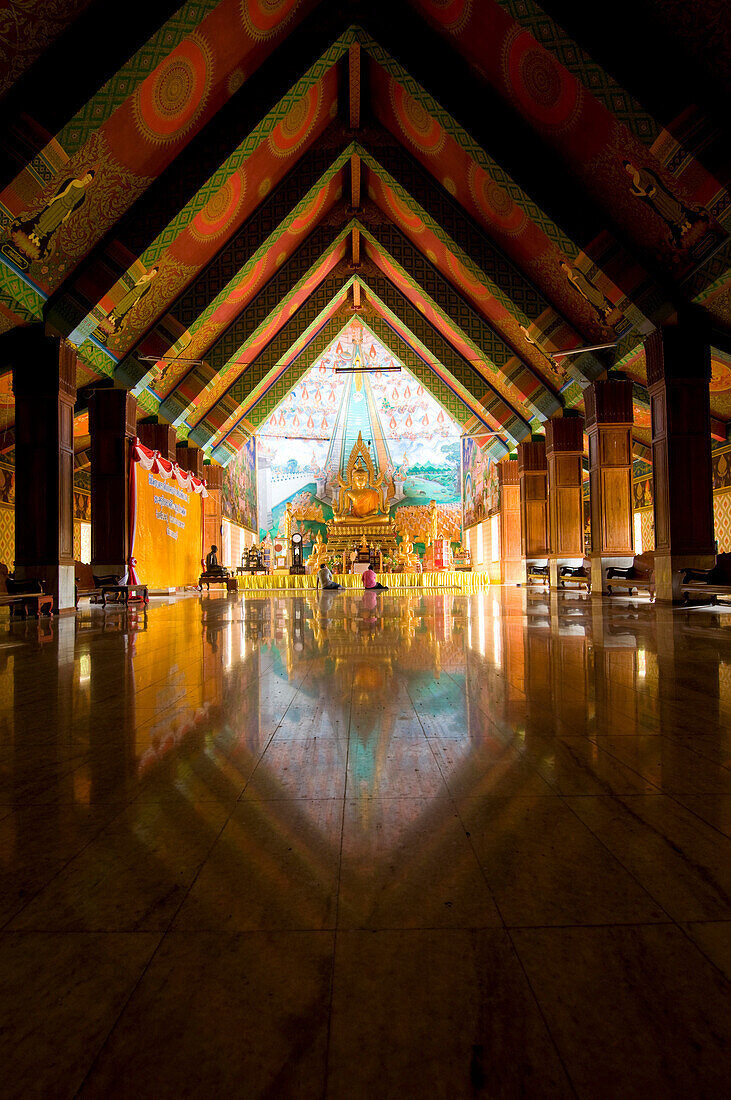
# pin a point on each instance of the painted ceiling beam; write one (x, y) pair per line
(205, 430)
(188, 173)
(438, 355)
(271, 221)
(399, 250)
(510, 119)
(69, 71)
(470, 377)
(204, 387)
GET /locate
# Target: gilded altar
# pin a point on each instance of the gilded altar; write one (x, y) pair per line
(361, 510)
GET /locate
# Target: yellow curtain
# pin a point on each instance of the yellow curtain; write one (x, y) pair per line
(465, 582)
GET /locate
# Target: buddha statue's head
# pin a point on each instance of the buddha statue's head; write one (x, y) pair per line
(360, 478)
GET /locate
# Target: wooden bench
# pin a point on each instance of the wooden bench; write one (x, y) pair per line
(575, 577)
(23, 597)
(123, 593)
(640, 575)
(222, 577)
(85, 583)
(537, 574)
(711, 584)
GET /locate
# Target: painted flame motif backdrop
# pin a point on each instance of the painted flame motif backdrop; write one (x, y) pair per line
(423, 439)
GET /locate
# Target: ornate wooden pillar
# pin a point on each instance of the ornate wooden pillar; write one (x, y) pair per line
(212, 507)
(532, 475)
(189, 458)
(158, 436)
(678, 374)
(511, 565)
(112, 425)
(609, 427)
(564, 455)
(44, 384)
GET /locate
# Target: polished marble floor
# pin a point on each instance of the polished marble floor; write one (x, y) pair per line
(405, 845)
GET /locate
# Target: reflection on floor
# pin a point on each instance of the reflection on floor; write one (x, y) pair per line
(398, 845)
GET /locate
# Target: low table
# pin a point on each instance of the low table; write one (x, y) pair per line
(126, 591)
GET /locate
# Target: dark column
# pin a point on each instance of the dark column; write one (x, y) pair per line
(112, 425)
(511, 565)
(532, 474)
(44, 384)
(609, 427)
(189, 458)
(678, 374)
(158, 436)
(212, 507)
(564, 455)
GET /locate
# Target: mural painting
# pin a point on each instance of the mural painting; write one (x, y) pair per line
(238, 496)
(414, 442)
(475, 468)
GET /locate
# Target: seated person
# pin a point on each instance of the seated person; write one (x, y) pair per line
(212, 565)
(370, 581)
(325, 578)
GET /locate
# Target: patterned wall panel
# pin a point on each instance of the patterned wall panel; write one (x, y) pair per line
(7, 536)
(722, 521)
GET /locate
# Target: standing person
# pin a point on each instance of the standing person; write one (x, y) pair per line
(370, 581)
(325, 578)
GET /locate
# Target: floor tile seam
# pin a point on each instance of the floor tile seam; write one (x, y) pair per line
(542, 1013)
(123, 1008)
(661, 790)
(612, 855)
(690, 748)
(513, 926)
(261, 757)
(435, 758)
(483, 873)
(59, 870)
(201, 865)
(702, 951)
(608, 793)
(331, 992)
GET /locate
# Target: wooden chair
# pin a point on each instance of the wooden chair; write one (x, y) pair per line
(640, 575)
(579, 577)
(712, 584)
(23, 597)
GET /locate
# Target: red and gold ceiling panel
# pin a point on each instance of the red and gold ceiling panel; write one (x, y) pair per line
(551, 331)
(234, 299)
(153, 282)
(58, 221)
(515, 392)
(200, 403)
(520, 237)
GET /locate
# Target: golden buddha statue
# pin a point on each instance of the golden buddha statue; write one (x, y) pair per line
(362, 494)
(406, 555)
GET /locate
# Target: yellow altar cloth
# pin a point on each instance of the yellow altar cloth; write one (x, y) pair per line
(461, 582)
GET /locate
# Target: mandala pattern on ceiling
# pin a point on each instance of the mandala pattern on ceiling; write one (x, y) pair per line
(545, 91)
(453, 15)
(220, 210)
(467, 281)
(311, 212)
(418, 126)
(404, 217)
(289, 134)
(173, 97)
(263, 18)
(495, 203)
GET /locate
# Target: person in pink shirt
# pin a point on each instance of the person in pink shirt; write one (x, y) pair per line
(369, 580)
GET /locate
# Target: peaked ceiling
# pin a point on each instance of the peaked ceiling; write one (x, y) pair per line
(201, 204)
